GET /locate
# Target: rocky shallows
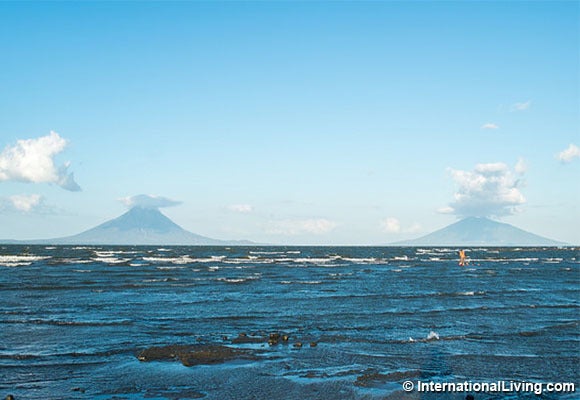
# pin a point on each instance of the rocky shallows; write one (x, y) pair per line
(217, 353)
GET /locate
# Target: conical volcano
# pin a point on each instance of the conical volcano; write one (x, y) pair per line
(140, 226)
(479, 231)
(143, 219)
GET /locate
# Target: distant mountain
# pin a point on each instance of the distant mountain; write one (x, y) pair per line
(139, 226)
(477, 231)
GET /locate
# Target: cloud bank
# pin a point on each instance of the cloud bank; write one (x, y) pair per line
(569, 154)
(294, 227)
(31, 160)
(148, 201)
(490, 190)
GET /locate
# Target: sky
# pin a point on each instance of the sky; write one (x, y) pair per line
(337, 123)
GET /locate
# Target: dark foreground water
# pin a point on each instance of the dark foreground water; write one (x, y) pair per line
(73, 319)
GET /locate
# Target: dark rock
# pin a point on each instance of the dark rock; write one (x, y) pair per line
(190, 355)
(248, 339)
(9, 397)
(163, 353)
(212, 355)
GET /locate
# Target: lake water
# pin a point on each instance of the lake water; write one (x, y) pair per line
(73, 320)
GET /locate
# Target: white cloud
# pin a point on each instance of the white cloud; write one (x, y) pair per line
(31, 160)
(489, 190)
(391, 225)
(569, 154)
(241, 208)
(521, 106)
(23, 203)
(293, 227)
(490, 125)
(445, 210)
(148, 201)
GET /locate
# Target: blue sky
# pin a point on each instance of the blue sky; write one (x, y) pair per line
(291, 122)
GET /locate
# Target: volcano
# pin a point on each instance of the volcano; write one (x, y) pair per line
(140, 226)
(479, 231)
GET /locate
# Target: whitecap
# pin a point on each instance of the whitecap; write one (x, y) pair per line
(20, 260)
(370, 260)
(111, 260)
(15, 264)
(433, 336)
(234, 280)
(313, 260)
(170, 260)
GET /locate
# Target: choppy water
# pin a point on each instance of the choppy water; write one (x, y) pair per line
(72, 320)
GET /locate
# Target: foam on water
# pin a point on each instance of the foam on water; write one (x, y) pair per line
(20, 260)
(110, 260)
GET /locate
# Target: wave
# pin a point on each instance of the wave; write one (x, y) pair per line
(20, 260)
(111, 260)
(112, 253)
(159, 280)
(237, 280)
(455, 294)
(184, 259)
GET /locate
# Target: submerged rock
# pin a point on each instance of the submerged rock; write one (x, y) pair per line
(245, 339)
(191, 355)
